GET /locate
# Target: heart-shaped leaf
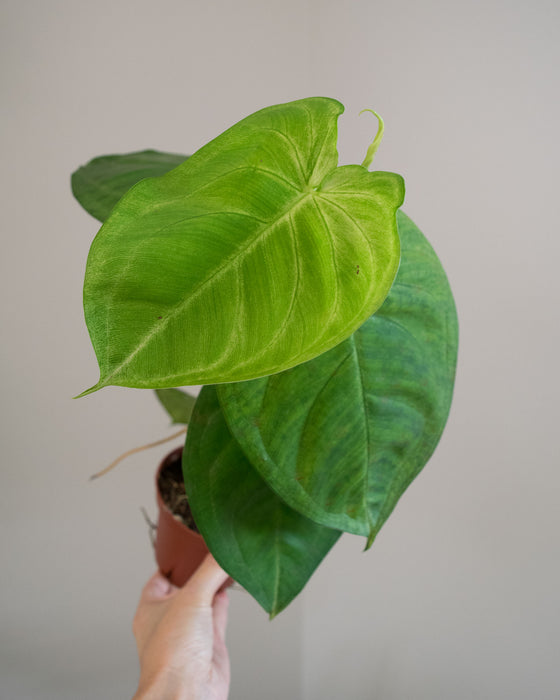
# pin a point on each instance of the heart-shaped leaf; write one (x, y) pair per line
(179, 404)
(341, 437)
(254, 255)
(100, 184)
(262, 543)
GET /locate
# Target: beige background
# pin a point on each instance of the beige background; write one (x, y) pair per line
(459, 596)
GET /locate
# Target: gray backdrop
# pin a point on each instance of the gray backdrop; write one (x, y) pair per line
(459, 596)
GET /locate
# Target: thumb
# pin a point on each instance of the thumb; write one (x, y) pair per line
(206, 581)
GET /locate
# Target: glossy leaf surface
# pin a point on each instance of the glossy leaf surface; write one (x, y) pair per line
(341, 437)
(262, 543)
(256, 254)
(178, 404)
(100, 184)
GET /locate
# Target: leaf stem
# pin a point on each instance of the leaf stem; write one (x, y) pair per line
(371, 151)
(134, 450)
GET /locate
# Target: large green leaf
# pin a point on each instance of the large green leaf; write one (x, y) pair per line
(100, 184)
(262, 543)
(178, 404)
(256, 254)
(341, 437)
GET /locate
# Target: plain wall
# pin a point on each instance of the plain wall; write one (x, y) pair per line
(458, 598)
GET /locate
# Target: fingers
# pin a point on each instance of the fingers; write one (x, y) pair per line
(205, 582)
(220, 608)
(220, 615)
(157, 588)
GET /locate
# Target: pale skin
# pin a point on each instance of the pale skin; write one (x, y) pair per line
(180, 635)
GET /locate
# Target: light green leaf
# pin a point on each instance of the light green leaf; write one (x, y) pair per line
(179, 404)
(256, 254)
(100, 184)
(262, 543)
(341, 437)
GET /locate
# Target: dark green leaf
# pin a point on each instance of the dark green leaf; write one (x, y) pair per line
(256, 254)
(341, 437)
(179, 404)
(262, 543)
(100, 184)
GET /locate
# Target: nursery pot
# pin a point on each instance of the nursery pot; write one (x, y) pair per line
(179, 550)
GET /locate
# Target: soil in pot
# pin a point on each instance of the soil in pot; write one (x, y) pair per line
(172, 489)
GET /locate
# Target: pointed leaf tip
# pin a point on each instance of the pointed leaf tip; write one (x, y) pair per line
(370, 540)
(91, 390)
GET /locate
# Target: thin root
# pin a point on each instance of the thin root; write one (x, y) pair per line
(134, 450)
(151, 525)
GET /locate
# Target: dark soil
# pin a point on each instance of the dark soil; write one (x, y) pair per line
(172, 489)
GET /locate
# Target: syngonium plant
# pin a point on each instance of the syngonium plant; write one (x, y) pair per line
(314, 312)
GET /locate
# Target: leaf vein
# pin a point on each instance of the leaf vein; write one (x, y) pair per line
(334, 308)
(232, 260)
(292, 145)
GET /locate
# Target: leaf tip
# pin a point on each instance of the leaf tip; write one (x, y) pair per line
(371, 539)
(91, 390)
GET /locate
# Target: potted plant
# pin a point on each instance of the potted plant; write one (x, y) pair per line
(314, 312)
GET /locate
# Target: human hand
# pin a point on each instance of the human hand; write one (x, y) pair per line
(180, 635)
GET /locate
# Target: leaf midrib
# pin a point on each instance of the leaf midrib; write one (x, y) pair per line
(277, 567)
(355, 340)
(229, 262)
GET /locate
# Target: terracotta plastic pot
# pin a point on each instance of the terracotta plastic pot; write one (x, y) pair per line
(179, 550)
